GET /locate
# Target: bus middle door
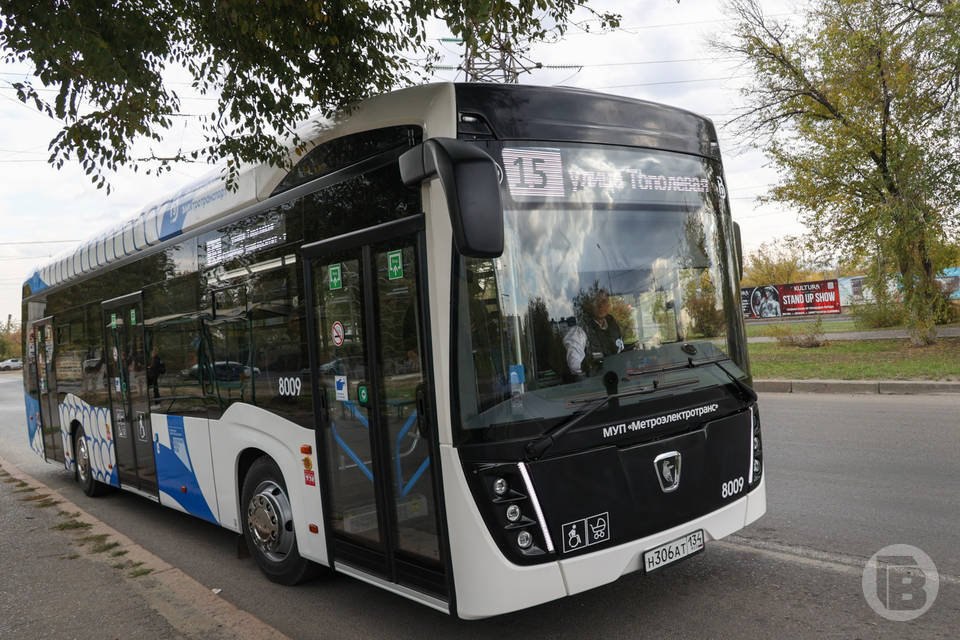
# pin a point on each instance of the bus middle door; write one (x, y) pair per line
(126, 359)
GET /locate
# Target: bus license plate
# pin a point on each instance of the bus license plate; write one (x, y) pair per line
(672, 551)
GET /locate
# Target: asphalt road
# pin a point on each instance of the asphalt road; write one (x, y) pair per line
(846, 476)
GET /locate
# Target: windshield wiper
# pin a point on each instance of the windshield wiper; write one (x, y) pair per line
(536, 448)
(746, 391)
(747, 394)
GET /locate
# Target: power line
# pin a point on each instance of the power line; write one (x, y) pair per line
(38, 242)
(646, 62)
(651, 84)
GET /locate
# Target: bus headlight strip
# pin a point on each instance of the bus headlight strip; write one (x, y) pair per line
(536, 505)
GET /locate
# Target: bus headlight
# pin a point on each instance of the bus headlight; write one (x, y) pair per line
(507, 499)
(513, 513)
(756, 448)
(524, 539)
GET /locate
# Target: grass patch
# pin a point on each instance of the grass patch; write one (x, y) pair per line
(775, 329)
(69, 514)
(69, 525)
(9, 479)
(118, 553)
(103, 547)
(142, 571)
(46, 502)
(858, 360)
(96, 539)
(24, 489)
(38, 496)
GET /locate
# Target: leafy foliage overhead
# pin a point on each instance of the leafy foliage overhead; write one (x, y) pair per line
(268, 65)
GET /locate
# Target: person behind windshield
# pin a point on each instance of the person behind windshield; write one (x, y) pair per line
(597, 335)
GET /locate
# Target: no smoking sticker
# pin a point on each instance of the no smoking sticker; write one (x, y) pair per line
(337, 333)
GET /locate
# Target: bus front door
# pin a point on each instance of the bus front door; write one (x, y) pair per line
(41, 359)
(126, 359)
(375, 432)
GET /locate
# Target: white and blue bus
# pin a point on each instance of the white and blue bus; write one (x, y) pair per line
(481, 346)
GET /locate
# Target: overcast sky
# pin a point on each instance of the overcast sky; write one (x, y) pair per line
(659, 53)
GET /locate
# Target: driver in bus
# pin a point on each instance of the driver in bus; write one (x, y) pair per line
(597, 335)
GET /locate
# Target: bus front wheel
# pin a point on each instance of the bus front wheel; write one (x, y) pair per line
(268, 524)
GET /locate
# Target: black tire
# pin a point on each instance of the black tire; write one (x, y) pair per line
(268, 525)
(91, 486)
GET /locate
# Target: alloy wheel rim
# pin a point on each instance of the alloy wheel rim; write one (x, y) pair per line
(270, 521)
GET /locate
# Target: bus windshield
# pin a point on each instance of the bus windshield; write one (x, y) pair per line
(615, 260)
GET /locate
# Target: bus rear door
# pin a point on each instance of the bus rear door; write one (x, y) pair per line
(41, 360)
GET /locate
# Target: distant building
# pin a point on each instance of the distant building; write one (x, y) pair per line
(855, 290)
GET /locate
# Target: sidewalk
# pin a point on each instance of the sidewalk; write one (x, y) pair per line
(65, 575)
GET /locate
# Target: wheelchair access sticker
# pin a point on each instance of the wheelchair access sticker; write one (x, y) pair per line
(586, 532)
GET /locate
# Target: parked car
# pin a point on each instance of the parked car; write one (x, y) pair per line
(10, 364)
(347, 365)
(225, 370)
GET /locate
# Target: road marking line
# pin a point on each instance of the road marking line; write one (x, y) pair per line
(836, 562)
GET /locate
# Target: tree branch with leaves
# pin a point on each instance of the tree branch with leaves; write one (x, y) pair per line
(267, 65)
(857, 108)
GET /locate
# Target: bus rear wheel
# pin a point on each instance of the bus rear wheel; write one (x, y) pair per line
(268, 525)
(90, 485)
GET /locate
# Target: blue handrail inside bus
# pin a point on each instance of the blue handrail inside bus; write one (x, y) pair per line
(404, 487)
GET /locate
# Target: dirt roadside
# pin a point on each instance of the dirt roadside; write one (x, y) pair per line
(66, 574)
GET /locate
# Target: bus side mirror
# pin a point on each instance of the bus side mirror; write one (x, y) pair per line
(471, 184)
(739, 247)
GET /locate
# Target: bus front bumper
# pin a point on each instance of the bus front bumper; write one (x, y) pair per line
(487, 584)
(601, 567)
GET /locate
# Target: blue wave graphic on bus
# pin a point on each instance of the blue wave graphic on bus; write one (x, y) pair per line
(98, 432)
(175, 471)
(33, 423)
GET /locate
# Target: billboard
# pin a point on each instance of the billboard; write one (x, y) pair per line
(794, 299)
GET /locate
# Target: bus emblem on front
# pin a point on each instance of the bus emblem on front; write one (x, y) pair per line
(668, 470)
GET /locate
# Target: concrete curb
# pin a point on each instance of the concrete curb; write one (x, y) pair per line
(885, 387)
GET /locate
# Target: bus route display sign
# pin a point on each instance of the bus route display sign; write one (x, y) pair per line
(794, 299)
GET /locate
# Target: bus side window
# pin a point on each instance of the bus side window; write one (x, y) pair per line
(281, 371)
(225, 363)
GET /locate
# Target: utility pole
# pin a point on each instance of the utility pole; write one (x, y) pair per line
(496, 62)
(490, 63)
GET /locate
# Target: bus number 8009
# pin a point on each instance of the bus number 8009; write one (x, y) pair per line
(290, 386)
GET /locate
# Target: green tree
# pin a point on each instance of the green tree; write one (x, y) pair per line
(857, 107)
(268, 63)
(9, 340)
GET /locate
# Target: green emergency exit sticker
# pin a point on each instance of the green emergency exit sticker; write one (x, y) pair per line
(363, 396)
(336, 279)
(133, 317)
(113, 321)
(395, 265)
